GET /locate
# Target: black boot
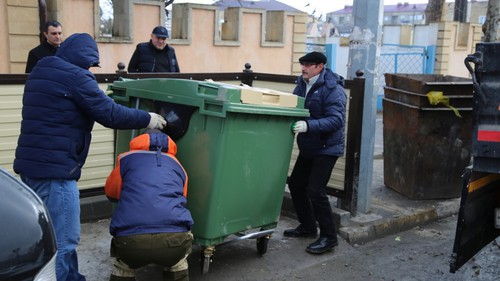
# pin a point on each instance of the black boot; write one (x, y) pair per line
(322, 245)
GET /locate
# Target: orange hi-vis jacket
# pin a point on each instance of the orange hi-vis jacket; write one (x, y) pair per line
(150, 186)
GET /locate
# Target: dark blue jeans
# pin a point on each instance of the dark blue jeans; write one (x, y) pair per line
(307, 185)
(62, 199)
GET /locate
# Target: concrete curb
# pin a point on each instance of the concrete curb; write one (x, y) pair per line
(360, 233)
(95, 208)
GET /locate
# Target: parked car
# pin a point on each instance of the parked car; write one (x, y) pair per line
(27, 240)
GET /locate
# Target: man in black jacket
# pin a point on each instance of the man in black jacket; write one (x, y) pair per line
(53, 35)
(155, 55)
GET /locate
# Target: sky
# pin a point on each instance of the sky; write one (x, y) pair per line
(321, 6)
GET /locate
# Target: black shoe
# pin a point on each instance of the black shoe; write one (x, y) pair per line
(299, 231)
(322, 245)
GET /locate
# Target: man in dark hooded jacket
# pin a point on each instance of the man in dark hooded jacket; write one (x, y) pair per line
(61, 102)
(321, 141)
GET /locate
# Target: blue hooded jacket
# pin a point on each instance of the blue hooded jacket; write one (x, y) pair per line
(326, 102)
(61, 102)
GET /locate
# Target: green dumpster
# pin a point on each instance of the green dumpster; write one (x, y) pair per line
(236, 154)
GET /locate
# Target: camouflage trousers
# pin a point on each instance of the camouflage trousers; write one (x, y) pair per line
(169, 250)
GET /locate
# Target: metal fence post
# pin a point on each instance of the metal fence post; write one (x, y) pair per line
(353, 144)
(247, 77)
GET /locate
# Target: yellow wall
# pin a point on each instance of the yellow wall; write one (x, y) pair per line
(77, 17)
(21, 32)
(455, 42)
(199, 53)
(4, 44)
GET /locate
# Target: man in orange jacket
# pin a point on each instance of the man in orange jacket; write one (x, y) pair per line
(150, 224)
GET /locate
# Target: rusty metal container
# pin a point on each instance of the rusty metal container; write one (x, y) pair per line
(421, 100)
(426, 147)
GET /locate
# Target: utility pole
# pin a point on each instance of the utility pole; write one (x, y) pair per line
(364, 52)
(491, 27)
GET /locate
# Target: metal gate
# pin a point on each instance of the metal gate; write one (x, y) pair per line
(403, 59)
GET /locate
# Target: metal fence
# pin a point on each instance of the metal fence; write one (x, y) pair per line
(402, 59)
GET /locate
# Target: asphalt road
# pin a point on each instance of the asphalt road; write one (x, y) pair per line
(422, 253)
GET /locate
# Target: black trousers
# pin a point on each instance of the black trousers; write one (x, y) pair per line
(307, 185)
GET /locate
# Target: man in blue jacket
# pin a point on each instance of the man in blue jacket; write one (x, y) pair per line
(61, 103)
(321, 141)
(151, 224)
(155, 55)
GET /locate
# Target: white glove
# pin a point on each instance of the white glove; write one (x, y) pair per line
(299, 127)
(157, 121)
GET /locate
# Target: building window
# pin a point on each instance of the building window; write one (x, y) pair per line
(181, 25)
(113, 21)
(114, 18)
(275, 26)
(481, 19)
(106, 18)
(231, 24)
(394, 19)
(229, 27)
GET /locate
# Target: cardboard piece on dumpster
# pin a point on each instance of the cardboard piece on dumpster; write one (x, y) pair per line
(264, 96)
(267, 97)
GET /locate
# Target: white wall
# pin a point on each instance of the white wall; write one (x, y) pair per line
(425, 35)
(341, 56)
(391, 34)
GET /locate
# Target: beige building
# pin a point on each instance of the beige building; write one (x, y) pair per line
(205, 38)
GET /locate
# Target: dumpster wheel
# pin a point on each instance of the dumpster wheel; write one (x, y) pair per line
(262, 244)
(206, 258)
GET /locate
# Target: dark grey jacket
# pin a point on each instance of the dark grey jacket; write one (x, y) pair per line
(147, 58)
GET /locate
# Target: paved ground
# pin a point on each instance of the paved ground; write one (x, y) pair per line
(421, 253)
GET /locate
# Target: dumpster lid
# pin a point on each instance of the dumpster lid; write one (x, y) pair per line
(209, 96)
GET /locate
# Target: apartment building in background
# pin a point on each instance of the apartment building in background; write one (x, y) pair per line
(406, 13)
